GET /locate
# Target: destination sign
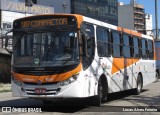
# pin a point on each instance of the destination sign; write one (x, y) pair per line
(46, 22)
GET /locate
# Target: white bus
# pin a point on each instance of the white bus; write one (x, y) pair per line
(73, 56)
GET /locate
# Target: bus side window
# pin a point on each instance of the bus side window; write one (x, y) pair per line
(131, 46)
(150, 49)
(103, 42)
(116, 44)
(144, 48)
(88, 47)
(127, 48)
(136, 53)
(88, 39)
(140, 47)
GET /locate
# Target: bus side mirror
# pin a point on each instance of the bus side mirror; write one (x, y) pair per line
(6, 42)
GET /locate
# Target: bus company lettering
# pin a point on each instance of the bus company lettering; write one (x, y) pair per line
(20, 7)
(42, 23)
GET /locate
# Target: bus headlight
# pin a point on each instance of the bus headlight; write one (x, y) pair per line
(16, 81)
(69, 80)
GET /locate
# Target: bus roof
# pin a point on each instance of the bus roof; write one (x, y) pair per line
(113, 27)
(81, 18)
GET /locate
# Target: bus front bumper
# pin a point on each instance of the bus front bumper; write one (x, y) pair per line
(73, 90)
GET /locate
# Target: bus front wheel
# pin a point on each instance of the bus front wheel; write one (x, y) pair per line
(96, 100)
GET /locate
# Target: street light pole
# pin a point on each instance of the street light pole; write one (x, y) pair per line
(156, 19)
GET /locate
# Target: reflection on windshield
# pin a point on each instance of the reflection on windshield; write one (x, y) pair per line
(46, 49)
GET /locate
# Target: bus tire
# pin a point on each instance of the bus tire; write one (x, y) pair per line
(157, 77)
(138, 90)
(104, 90)
(96, 100)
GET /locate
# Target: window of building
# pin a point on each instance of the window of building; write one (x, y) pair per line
(127, 49)
(103, 44)
(117, 48)
(102, 10)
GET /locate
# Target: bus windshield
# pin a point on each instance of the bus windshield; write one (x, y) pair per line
(45, 49)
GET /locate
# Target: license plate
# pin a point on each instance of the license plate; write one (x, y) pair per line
(40, 90)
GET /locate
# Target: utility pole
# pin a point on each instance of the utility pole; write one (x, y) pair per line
(157, 43)
(156, 19)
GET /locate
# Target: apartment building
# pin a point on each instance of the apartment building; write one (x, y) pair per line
(132, 16)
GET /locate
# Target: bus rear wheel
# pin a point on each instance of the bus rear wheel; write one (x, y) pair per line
(157, 77)
(138, 90)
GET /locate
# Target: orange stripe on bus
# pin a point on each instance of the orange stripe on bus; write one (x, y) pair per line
(119, 28)
(132, 32)
(121, 63)
(155, 56)
(156, 51)
(47, 78)
(79, 19)
(129, 31)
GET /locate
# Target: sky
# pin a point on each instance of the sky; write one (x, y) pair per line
(149, 6)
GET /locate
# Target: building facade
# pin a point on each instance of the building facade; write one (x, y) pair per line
(148, 24)
(13, 9)
(104, 10)
(132, 16)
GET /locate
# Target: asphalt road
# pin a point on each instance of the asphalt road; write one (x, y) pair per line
(147, 103)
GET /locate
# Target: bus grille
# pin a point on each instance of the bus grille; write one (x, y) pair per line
(48, 92)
